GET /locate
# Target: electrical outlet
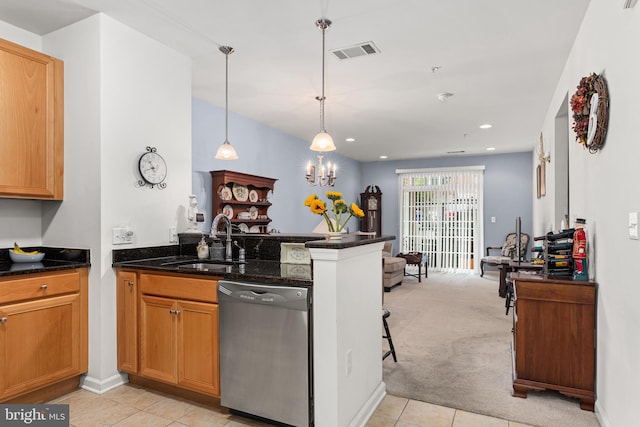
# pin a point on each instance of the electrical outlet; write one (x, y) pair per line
(348, 362)
(173, 235)
(121, 236)
(633, 225)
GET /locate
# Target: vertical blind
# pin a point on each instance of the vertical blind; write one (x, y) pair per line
(440, 216)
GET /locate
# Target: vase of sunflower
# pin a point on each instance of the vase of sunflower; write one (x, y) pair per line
(341, 212)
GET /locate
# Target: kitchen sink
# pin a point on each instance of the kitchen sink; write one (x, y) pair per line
(204, 266)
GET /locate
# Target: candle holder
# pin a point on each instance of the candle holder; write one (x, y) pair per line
(320, 175)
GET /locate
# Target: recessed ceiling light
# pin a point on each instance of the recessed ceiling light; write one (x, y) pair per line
(350, 139)
(442, 97)
(486, 126)
(383, 157)
(491, 149)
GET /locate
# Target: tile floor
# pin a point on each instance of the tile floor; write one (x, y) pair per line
(133, 406)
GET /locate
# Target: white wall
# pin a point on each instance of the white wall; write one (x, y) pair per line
(603, 189)
(123, 92)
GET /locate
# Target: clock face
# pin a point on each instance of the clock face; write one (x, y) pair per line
(153, 168)
(372, 203)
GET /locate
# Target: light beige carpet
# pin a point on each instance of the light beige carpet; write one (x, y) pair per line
(453, 343)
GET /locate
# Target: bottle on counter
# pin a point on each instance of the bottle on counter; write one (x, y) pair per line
(203, 249)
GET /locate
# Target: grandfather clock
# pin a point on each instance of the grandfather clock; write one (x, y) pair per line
(371, 202)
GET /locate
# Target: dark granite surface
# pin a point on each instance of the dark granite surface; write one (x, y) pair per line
(54, 259)
(263, 257)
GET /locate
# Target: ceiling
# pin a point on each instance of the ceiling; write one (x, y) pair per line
(501, 60)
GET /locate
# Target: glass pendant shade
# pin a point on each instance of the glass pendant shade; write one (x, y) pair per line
(322, 142)
(226, 152)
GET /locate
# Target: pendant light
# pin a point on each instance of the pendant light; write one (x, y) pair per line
(226, 150)
(322, 141)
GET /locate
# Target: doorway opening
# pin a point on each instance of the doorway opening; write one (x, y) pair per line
(440, 216)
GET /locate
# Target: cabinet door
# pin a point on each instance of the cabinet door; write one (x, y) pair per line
(127, 318)
(31, 124)
(198, 364)
(39, 343)
(158, 339)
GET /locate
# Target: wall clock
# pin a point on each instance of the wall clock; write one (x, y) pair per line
(153, 169)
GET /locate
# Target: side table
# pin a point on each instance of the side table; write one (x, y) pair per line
(415, 258)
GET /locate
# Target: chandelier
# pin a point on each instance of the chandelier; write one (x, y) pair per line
(319, 175)
(226, 150)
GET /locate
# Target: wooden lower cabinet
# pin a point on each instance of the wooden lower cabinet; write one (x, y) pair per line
(554, 338)
(43, 333)
(177, 330)
(127, 320)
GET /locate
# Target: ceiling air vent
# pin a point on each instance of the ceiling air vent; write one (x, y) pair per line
(362, 49)
(456, 152)
(628, 4)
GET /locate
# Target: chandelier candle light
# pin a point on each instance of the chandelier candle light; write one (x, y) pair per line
(320, 178)
(322, 141)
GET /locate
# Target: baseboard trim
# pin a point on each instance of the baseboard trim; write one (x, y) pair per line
(601, 415)
(370, 406)
(98, 386)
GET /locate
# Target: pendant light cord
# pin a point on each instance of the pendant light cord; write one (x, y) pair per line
(226, 98)
(323, 67)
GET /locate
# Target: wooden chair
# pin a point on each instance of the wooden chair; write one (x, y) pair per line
(507, 251)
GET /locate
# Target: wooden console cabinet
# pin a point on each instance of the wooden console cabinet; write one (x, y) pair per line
(168, 329)
(31, 124)
(43, 334)
(554, 337)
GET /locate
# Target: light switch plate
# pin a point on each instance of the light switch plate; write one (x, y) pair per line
(633, 225)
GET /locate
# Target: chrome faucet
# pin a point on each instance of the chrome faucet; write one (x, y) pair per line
(214, 231)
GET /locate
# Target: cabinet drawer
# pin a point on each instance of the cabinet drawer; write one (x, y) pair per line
(181, 287)
(38, 286)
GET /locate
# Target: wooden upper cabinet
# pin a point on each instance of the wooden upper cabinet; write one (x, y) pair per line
(31, 124)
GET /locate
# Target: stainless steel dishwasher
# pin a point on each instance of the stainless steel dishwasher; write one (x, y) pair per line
(265, 351)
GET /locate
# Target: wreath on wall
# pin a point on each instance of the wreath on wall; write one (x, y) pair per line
(590, 106)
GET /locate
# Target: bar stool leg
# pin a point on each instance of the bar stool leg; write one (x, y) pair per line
(392, 351)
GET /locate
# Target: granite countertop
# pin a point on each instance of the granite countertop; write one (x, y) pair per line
(251, 270)
(176, 258)
(54, 259)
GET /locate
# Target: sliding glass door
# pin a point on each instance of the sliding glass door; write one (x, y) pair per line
(441, 216)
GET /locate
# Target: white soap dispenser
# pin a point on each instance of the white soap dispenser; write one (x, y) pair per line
(203, 249)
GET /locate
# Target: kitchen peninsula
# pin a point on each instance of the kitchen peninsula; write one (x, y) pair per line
(345, 279)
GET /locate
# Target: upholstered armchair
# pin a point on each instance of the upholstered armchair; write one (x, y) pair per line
(507, 251)
(393, 268)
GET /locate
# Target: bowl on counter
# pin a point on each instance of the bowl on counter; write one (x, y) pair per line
(15, 257)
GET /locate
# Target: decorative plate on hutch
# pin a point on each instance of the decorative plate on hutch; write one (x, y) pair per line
(240, 192)
(228, 211)
(253, 212)
(225, 192)
(253, 196)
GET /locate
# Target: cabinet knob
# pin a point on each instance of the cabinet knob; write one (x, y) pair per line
(3, 320)
(43, 287)
(176, 312)
(130, 282)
